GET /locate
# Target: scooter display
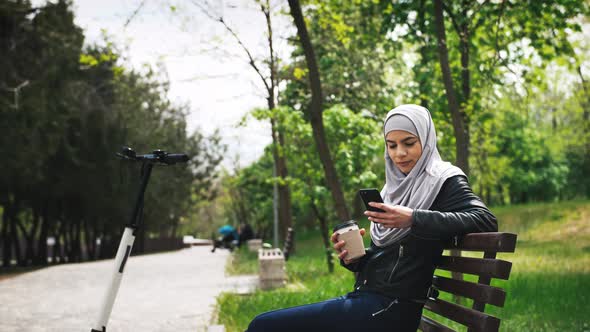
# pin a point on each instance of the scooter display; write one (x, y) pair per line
(157, 157)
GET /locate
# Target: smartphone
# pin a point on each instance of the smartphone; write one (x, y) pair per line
(371, 195)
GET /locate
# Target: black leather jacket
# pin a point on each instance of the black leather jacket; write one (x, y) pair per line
(404, 270)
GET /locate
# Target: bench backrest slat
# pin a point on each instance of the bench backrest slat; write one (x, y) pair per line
(475, 320)
(494, 268)
(489, 242)
(476, 292)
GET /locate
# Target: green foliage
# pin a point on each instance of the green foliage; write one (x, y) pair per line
(352, 58)
(520, 159)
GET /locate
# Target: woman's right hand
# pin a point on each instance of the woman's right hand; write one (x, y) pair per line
(338, 245)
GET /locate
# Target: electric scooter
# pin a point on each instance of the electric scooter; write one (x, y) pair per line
(158, 157)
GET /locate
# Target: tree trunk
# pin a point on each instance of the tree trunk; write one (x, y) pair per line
(461, 136)
(29, 236)
(60, 238)
(6, 239)
(586, 102)
(57, 248)
(325, 236)
(15, 240)
(586, 127)
(41, 258)
(466, 87)
(426, 57)
(458, 116)
(77, 241)
(464, 48)
(67, 234)
(285, 213)
(88, 240)
(315, 113)
(28, 240)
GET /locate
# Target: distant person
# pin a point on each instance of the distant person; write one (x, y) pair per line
(427, 202)
(245, 232)
(227, 239)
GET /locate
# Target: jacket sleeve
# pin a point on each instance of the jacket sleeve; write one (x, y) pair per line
(456, 211)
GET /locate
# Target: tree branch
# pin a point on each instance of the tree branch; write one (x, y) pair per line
(449, 12)
(251, 61)
(498, 21)
(133, 14)
(482, 20)
(273, 78)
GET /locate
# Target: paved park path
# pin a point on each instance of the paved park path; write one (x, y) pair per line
(173, 291)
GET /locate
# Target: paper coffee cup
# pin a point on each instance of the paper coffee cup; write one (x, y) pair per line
(353, 241)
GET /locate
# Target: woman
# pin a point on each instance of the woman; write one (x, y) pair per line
(426, 201)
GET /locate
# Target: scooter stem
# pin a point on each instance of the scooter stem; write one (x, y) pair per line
(123, 253)
(113, 287)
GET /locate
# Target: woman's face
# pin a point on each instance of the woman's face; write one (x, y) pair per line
(404, 149)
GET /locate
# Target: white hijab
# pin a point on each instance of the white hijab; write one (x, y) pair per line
(419, 188)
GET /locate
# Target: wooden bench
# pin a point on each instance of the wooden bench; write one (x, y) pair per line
(488, 267)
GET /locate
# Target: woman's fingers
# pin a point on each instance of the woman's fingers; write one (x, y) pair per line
(382, 206)
(383, 221)
(338, 247)
(393, 221)
(377, 214)
(334, 237)
(343, 254)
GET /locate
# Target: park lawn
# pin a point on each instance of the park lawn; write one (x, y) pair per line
(547, 290)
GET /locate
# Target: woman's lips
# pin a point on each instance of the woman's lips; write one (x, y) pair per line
(404, 164)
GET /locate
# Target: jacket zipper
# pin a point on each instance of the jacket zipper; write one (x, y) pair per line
(400, 255)
(385, 309)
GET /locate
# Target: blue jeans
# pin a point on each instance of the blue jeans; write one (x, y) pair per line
(356, 311)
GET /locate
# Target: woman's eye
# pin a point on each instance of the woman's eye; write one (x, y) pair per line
(392, 146)
(410, 143)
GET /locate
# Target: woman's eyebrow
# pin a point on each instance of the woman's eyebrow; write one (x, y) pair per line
(403, 140)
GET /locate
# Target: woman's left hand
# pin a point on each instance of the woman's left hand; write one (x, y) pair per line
(395, 216)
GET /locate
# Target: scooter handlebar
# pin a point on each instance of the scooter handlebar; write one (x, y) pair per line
(158, 156)
(173, 158)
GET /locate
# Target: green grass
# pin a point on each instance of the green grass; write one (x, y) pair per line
(549, 288)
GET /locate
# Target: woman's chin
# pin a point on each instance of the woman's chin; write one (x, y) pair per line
(405, 169)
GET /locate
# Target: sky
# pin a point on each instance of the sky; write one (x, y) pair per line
(206, 68)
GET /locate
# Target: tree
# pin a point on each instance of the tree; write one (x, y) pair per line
(270, 78)
(458, 115)
(315, 113)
